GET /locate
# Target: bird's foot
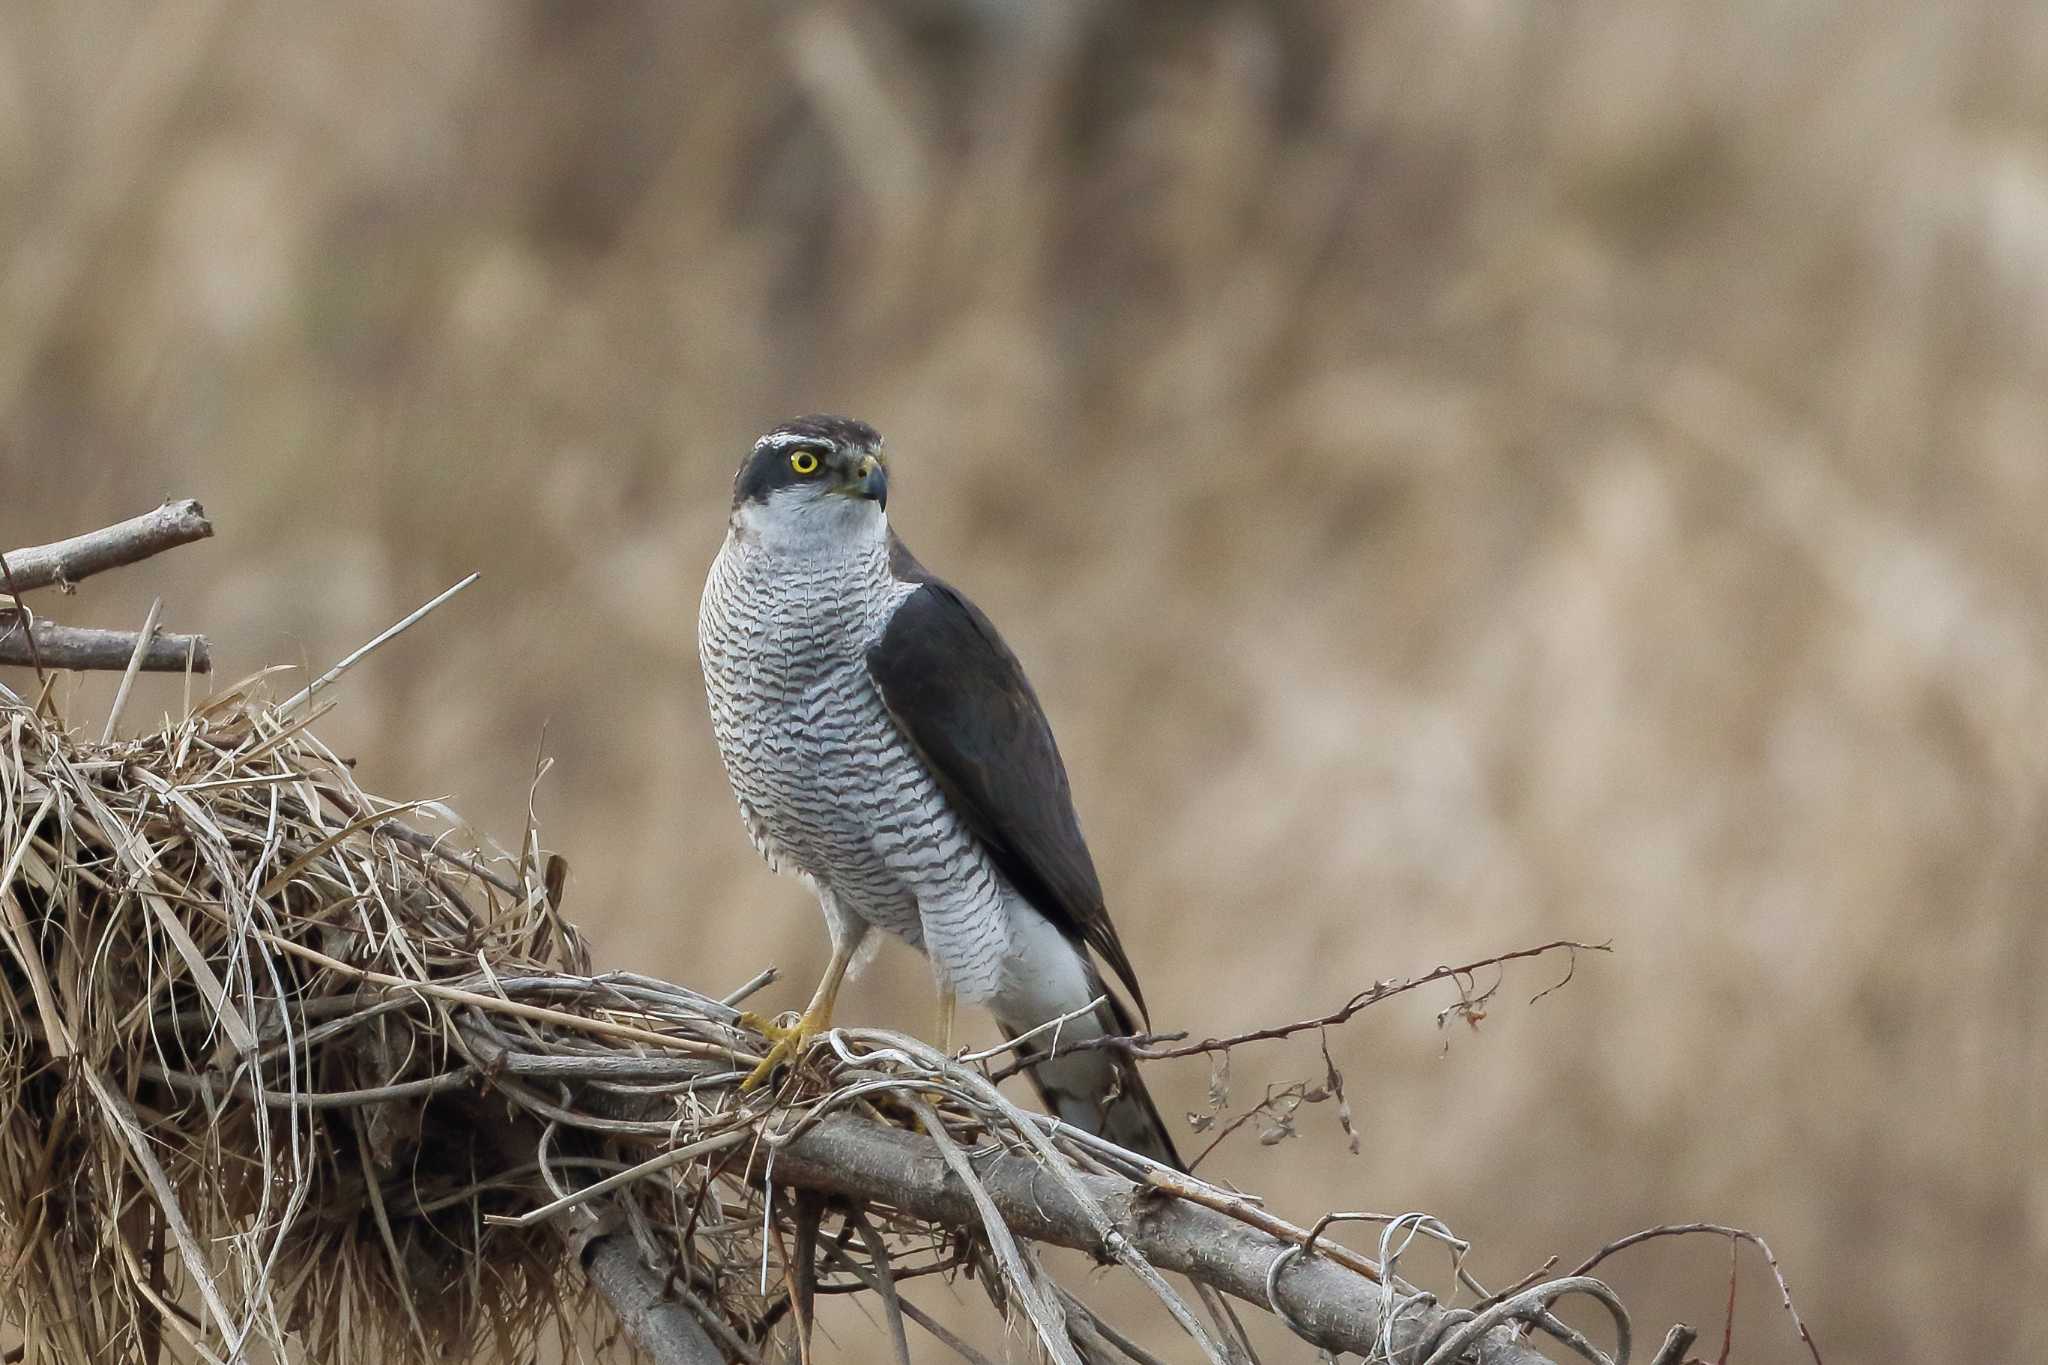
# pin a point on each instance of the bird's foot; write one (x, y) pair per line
(787, 1042)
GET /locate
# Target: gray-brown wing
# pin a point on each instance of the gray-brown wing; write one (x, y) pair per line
(961, 698)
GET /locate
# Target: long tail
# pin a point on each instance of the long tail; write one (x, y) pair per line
(1099, 1090)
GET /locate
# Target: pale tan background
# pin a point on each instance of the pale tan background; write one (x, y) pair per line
(1459, 474)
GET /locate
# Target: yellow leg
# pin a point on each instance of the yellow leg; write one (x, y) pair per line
(948, 1002)
(788, 1044)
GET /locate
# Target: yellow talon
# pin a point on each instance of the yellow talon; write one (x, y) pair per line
(787, 1042)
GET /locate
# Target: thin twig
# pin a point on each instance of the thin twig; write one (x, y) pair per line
(21, 614)
(883, 1281)
(763, 978)
(1154, 1046)
(1250, 1214)
(912, 1311)
(1079, 1311)
(1733, 1234)
(456, 995)
(142, 639)
(306, 693)
(1527, 1306)
(675, 1156)
(316, 1099)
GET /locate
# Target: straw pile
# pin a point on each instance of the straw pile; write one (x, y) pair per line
(298, 1064)
(288, 1070)
(284, 1062)
(240, 1130)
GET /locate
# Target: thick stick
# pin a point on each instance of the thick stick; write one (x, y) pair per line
(1324, 1303)
(81, 647)
(592, 1232)
(67, 561)
(651, 1318)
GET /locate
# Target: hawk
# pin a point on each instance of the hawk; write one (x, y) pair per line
(886, 748)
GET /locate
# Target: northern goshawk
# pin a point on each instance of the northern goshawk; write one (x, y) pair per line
(885, 747)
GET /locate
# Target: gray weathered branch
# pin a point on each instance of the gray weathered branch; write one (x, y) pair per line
(651, 1318)
(65, 562)
(81, 647)
(1323, 1302)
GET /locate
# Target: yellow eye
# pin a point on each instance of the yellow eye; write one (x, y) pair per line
(803, 462)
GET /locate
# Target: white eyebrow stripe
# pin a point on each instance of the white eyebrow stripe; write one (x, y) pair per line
(776, 440)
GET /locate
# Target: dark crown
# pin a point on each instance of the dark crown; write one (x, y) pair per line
(842, 433)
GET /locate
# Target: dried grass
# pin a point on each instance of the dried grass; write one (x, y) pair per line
(242, 1128)
(292, 1069)
(302, 1061)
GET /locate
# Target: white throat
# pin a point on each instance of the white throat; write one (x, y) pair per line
(824, 528)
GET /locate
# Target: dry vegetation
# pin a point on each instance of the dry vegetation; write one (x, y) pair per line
(1459, 475)
(289, 1071)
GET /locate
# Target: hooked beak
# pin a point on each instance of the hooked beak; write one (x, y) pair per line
(870, 481)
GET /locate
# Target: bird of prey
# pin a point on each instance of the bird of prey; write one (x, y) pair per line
(886, 748)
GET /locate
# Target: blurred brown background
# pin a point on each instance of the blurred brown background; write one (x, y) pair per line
(1459, 474)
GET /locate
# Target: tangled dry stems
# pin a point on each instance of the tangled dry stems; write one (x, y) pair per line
(290, 1069)
(227, 1105)
(285, 1063)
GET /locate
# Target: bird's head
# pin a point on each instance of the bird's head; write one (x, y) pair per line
(813, 475)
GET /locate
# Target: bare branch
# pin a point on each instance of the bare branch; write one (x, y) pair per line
(654, 1320)
(1154, 1046)
(666, 1321)
(65, 562)
(607, 1110)
(1677, 1342)
(83, 648)
(1734, 1235)
(1324, 1302)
